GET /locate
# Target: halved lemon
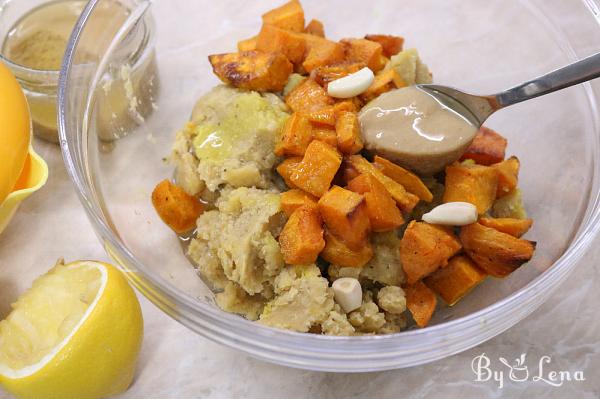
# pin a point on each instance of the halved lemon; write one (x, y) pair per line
(76, 333)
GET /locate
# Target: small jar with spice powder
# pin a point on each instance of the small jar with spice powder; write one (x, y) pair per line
(33, 38)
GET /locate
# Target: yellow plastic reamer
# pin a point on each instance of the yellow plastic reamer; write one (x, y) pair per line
(22, 171)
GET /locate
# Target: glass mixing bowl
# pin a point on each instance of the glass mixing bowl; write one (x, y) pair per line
(480, 48)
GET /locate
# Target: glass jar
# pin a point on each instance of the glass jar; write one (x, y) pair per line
(126, 92)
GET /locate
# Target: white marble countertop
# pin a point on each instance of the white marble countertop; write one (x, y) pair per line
(177, 363)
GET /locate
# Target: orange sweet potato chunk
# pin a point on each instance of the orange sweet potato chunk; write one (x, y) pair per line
(487, 148)
(247, 44)
(286, 168)
(315, 27)
(294, 199)
(514, 227)
(323, 116)
(391, 45)
(317, 169)
(289, 16)
(176, 208)
(338, 253)
(301, 239)
(382, 211)
(508, 175)
(405, 200)
(411, 182)
(347, 128)
(426, 247)
(345, 215)
(295, 137)
(308, 97)
(272, 39)
(476, 184)
(320, 52)
(252, 70)
(362, 50)
(328, 73)
(325, 134)
(455, 280)
(421, 302)
(496, 253)
(384, 82)
(353, 104)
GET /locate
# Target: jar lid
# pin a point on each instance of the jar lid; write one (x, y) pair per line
(15, 131)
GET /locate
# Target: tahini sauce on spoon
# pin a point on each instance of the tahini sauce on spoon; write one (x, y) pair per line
(414, 129)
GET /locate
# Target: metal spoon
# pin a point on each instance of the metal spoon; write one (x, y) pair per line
(479, 108)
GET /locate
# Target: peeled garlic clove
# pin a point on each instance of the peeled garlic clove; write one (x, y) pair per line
(347, 293)
(452, 214)
(351, 85)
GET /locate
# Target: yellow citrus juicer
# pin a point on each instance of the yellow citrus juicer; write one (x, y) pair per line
(22, 171)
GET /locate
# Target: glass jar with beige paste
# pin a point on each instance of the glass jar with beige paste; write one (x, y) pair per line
(33, 39)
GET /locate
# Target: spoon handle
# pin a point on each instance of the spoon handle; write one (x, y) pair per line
(577, 72)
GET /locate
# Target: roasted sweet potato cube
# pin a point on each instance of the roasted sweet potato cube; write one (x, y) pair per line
(321, 52)
(289, 16)
(349, 105)
(308, 97)
(301, 239)
(405, 200)
(426, 247)
(272, 39)
(345, 215)
(411, 182)
(391, 45)
(286, 168)
(496, 253)
(294, 199)
(296, 136)
(476, 184)
(487, 148)
(325, 134)
(338, 253)
(176, 208)
(323, 116)
(514, 227)
(421, 302)
(362, 50)
(384, 82)
(347, 128)
(383, 213)
(455, 280)
(252, 70)
(315, 27)
(317, 169)
(248, 44)
(328, 73)
(508, 175)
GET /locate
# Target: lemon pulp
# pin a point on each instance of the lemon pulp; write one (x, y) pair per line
(46, 314)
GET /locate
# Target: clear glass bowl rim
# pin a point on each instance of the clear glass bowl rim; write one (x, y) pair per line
(318, 352)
